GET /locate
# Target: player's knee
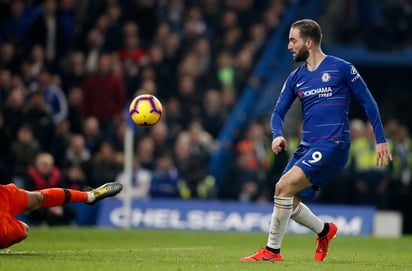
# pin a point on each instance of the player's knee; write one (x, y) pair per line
(17, 235)
(35, 201)
(282, 189)
(278, 188)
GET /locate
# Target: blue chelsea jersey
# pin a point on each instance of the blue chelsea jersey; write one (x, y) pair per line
(325, 97)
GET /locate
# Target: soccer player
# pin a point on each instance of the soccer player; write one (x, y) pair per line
(14, 201)
(324, 85)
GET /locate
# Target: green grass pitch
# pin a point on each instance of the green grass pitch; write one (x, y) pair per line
(49, 249)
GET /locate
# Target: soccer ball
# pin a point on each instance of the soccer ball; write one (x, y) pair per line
(145, 110)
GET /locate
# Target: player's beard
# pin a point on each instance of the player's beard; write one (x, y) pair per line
(302, 54)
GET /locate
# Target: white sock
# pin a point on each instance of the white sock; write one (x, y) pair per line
(90, 196)
(280, 217)
(304, 216)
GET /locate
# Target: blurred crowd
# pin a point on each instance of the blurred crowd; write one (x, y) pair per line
(69, 68)
(384, 25)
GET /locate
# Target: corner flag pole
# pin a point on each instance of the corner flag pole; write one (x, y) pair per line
(128, 171)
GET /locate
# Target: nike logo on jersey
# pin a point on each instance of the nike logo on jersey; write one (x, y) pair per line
(306, 163)
(299, 84)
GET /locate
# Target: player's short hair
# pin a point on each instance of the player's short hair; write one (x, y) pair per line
(309, 29)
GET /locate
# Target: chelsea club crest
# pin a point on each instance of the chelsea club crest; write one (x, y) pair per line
(325, 77)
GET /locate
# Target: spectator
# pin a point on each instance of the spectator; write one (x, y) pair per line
(223, 77)
(213, 114)
(140, 181)
(26, 74)
(66, 15)
(61, 141)
(194, 27)
(161, 33)
(14, 27)
(76, 72)
(202, 50)
(104, 165)
(228, 20)
(171, 47)
(165, 178)
(231, 40)
(403, 156)
(74, 102)
(173, 12)
(100, 87)
(23, 152)
(189, 66)
(53, 95)
(142, 12)
(92, 49)
(38, 115)
(132, 55)
(38, 62)
(212, 11)
(271, 15)
(189, 98)
(5, 85)
(256, 144)
(173, 117)
(145, 82)
(44, 174)
(77, 153)
(118, 136)
(147, 86)
(48, 31)
(14, 110)
(113, 32)
(75, 178)
(402, 174)
(191, 152)
(145, 152)
(244, 10)
(163, 70)
(371, 182)
(161, 138)
(257, 36)
(130, 28)
(243, 64)
(92, 135)
(241, 182)
(9, 60)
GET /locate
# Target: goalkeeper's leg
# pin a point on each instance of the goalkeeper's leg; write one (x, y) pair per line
(60, 196)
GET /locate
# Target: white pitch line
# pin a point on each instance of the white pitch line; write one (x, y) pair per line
(10, 252)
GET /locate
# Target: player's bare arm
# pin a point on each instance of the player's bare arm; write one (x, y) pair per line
(278, 144)
(383, 154)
